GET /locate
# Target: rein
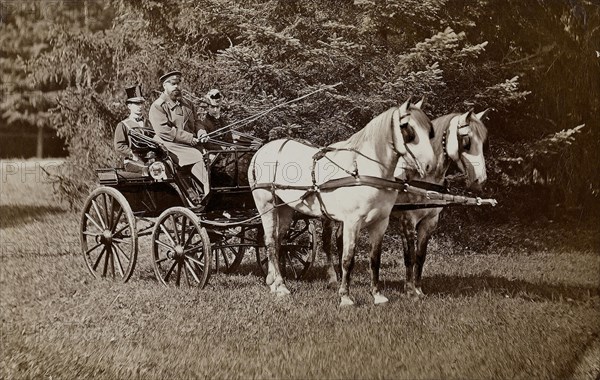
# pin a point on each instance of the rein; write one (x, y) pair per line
(250, 119)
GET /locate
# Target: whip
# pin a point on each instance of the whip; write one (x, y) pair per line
(250, 119)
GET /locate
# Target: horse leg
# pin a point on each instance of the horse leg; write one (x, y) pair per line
(350, 234)
(410, 235)
(424, 231)
(339, 243)
(328, 249)
(283, 219)
(376, 231)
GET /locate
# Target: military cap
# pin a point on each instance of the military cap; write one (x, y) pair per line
(170, 75)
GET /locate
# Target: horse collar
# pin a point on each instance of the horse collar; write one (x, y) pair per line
(444, 148)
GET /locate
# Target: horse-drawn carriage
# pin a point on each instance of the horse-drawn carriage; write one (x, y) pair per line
(266, 211)
(188, 240)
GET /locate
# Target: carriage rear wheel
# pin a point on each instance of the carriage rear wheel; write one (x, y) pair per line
(108, 235)
(229, 248)
(181, 254)
(298, 250)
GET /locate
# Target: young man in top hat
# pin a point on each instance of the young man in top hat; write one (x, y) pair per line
(135, 103)
(174, 121)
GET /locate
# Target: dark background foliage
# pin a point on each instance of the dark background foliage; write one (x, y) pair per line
(536, 64)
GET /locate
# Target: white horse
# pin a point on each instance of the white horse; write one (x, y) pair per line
(350, 181)
(459, 139)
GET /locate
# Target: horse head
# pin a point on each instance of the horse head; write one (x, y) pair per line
(464, 145)
(416, 132)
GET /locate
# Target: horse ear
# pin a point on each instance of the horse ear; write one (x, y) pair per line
(404, 107)
(464, 117)
(419, 104)
(482, 114)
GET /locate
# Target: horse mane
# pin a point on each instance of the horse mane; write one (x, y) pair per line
(379, 128)
(442, 123)
(376, 130)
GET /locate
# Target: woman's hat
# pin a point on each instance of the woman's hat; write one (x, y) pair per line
(214, 97)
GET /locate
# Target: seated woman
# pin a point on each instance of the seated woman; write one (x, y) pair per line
(122, 143)
(213, 120)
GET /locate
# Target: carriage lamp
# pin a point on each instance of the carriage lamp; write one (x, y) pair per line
(157, 171)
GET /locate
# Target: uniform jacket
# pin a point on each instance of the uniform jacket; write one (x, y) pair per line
(121, 138)
(175, 126)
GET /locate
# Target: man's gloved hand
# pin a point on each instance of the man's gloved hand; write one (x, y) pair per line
(202, 136)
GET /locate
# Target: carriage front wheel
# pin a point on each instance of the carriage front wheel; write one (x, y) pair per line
(298, 250)
(181, 253)
(108, 235)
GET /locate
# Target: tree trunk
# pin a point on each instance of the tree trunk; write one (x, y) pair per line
(40, 142)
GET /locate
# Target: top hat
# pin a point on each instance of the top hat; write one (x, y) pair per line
(170, 75)
(134, 94)
(214, 97)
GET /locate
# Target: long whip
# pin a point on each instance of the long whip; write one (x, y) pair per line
(250, 119)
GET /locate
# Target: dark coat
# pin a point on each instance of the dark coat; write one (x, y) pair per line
(210, 124)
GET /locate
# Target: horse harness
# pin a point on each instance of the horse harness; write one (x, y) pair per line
(461, 129)
(353, 179)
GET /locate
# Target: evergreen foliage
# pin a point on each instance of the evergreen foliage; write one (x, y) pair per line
(534, 63)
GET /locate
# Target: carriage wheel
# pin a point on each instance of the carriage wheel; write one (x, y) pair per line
(298, 250)
(108, 235)
(181, 254)
(229, 249)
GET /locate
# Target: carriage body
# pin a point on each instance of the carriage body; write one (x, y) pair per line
(150, 197)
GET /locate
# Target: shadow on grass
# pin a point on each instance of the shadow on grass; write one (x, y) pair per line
(445, 285)
(146, 275)
(15, 215)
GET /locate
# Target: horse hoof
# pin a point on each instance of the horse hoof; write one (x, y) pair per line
(413, 296)
(419, 292)
(346, 301)
(273, 287)
(380, 299)
(332, 284)
(283, 291)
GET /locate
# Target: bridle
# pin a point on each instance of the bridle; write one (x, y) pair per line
(408, 150)
(461, 130)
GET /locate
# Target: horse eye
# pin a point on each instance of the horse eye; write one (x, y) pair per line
(466, 143)
(403, 125)
(408, 134)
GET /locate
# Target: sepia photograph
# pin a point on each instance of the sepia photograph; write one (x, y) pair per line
(300, 189)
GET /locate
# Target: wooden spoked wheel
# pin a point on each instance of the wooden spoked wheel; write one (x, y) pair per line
(229, 248)
(181, 254)
(298, 250)
(108, 235)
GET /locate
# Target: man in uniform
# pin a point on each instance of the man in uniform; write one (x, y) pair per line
(174, 121)
(135, 103)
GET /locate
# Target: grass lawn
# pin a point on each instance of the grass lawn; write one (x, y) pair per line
(532, 312)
